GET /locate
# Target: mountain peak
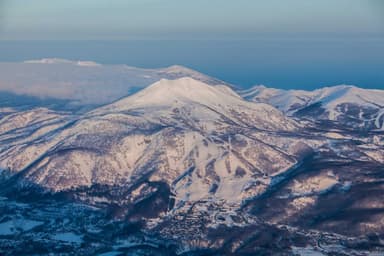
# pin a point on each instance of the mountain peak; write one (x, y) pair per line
(178, 68)
(179, 71)
(166, 92)
(345, 103)
(202, 101)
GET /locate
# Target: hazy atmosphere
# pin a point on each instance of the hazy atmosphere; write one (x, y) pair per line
(296, 44)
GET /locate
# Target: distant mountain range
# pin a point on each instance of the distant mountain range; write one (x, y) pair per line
(349, 106)
(230, 171)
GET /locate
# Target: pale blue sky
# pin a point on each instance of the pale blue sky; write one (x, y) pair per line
(197, 19)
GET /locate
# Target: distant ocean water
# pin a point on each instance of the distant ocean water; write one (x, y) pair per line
(280, 63)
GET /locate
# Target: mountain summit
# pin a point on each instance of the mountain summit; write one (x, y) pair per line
(186, 90)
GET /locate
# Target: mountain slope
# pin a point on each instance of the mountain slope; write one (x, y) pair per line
(215, 103)
(348, 106)
(185, 157)
(202, 140)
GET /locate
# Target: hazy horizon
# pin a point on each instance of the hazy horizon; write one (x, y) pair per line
(281, 63)
(297, 44)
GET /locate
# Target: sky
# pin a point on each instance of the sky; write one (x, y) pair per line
(198, 19)
(295, 44)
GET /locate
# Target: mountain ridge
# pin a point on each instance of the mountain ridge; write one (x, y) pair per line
(344, 104)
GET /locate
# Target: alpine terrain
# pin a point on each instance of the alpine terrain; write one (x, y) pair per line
(184, 164)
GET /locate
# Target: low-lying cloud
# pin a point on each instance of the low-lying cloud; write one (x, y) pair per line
(82, 82)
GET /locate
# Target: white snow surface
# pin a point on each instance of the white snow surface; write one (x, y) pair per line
(199, 138)
(205, 141)
(68, 237)
(331, 99)
(16, 225)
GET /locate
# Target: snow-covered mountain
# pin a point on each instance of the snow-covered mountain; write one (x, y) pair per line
(202, 140)
(347, 105)
(191, 156)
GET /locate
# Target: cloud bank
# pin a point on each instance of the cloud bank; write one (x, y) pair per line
(83, 82)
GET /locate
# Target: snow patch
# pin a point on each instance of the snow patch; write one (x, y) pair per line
(68, 237)
(13, 226)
